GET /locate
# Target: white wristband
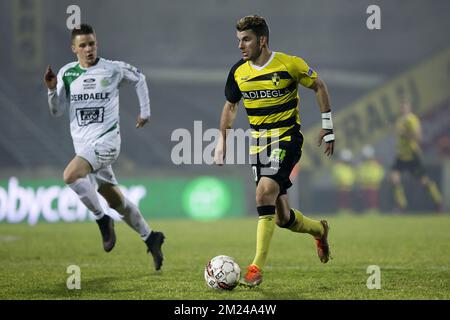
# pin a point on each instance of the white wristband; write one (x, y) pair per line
(329, 137)
(327, 122)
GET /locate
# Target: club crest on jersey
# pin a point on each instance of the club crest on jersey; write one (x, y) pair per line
(276, 79)
(105, 82)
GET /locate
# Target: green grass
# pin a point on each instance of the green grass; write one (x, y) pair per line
(413, 253)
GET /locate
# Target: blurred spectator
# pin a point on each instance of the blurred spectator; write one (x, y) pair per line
(344, 179)
(369, 175)
(443, 146)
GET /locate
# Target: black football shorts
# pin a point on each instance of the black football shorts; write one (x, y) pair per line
(277, 161)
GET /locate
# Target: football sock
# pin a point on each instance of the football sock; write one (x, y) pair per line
(434, 192)
(87, 194)
(302, 224)
(133, 217)
(399, 195)
(264, 232)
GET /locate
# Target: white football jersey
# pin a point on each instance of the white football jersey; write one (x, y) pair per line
(92, 97)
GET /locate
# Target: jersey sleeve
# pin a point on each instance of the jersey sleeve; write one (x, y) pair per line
(304, 74)
(232, 92)
(58, 98)
(132, 75)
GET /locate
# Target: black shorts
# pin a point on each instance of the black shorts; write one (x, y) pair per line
(414, 166)
(278, 161)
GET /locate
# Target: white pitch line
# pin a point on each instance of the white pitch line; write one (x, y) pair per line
(7, 238)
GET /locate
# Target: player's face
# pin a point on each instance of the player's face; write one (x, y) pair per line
(249, 45)
(85, 47)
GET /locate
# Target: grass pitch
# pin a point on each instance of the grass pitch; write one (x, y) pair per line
(413, 253)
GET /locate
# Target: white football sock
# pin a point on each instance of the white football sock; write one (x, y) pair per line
(87, 194)
(132, 216)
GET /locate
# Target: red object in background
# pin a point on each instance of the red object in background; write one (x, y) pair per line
(443, 146)
(344, 199)
(371, 198)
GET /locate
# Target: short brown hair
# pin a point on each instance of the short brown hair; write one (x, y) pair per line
(82, 30)
(255, 23)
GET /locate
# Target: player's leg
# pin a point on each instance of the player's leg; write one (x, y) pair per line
(418, 170)
(266, 194)
(128, 211)
(399, 193)
(295, 221)
(433, 190)
(131, 214)
(272, 170)
(75, 176)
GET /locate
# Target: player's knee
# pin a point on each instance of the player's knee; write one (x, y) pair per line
(264, 197)
(69, 176)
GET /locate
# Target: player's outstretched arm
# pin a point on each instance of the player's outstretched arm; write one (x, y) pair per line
(323, 99)
(57, 99)
(50, 78)
(226, 122)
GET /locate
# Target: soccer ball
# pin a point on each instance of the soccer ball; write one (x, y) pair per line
(222, 273)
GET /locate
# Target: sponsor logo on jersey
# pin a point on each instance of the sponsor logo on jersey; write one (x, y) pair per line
(261, 94)
(89, 84)
(71, 74)
(86, 116)
(89, 96)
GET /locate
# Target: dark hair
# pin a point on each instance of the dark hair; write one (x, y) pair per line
(255, 23)
(82, 30)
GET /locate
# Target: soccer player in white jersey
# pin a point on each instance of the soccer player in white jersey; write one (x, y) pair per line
(89, 90)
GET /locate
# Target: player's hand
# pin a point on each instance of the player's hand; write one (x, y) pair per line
(140, 122)
(50, 78)
(219, 153)
(329, 146)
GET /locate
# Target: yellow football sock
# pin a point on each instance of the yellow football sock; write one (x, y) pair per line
(303, 224)
(400, 198)
(264, 232)
(434, 192)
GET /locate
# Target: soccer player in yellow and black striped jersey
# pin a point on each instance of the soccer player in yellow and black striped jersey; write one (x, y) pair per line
(409, 134)
(268, 81)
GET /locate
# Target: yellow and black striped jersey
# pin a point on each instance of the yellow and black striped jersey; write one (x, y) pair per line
(270, 95)
(407, 146)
